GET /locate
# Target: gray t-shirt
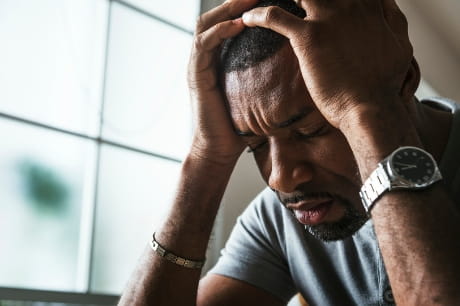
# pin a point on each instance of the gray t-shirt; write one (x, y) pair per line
(269, 249)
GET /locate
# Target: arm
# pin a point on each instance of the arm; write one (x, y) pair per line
(418, 232)
(219, 290)
(185, 232)
(371, 103)
(204, 176)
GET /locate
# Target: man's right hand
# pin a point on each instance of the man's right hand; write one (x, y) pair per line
(214, 137)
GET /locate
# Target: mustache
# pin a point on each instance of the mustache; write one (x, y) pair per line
(303, 196)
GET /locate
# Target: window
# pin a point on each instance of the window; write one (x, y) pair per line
(94, 120)
(146, 92)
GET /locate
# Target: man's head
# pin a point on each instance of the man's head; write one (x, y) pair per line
(306, 161)
(255, 44)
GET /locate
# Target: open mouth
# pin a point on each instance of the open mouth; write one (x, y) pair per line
(312, 214)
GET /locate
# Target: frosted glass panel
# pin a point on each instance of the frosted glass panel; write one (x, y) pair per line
(51, 61)
(147, 101)
(135, 192)
(45, 177)
(181, 12)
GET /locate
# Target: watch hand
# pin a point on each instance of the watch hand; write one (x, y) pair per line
(401, 164)
(408, 166)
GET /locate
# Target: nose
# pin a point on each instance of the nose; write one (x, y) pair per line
(289, 168)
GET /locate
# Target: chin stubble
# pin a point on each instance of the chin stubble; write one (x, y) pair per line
(349, 224)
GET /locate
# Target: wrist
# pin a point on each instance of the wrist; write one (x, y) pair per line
(188, 226)
(202, 164)
(211, 156)
(375, 132)
(211, 160)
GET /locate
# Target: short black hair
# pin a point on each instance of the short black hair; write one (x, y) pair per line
(253, 45)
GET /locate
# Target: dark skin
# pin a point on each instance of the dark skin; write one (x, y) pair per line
(280, 122)
(367, 111)
(306, 153)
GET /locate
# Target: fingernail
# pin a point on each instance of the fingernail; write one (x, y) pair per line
(245, 17)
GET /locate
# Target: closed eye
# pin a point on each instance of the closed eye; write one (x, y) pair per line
(300, 135)
(318, 132)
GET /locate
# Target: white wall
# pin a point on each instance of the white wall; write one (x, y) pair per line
(434, 29)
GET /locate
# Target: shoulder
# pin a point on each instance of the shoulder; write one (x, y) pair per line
(255, 250)
(450, 163)
(265, 205)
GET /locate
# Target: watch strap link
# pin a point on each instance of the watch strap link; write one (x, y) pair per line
(374, 186)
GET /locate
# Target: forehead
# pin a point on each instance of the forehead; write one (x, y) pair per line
(271, 91)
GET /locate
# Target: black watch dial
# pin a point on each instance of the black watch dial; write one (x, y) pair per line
(413, 165)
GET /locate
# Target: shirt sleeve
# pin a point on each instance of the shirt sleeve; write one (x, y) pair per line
(254, 251)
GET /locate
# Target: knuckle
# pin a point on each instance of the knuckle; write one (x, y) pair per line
(209, 19)
(200, 22)
(272, 13)
(198, 42)
(218, 28)
(228, 8)
(227, 5)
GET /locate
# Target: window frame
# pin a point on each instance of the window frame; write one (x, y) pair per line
(83, 294)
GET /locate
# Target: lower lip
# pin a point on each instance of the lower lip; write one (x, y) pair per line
(314, 215)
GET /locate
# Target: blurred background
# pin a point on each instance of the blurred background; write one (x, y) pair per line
(94, 123)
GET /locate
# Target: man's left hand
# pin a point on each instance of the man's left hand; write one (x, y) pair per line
(354, 55)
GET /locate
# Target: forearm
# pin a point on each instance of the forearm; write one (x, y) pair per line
(418, 232)
(419, 239)
(186, 233)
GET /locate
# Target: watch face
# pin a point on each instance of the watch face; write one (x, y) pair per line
(413, 165)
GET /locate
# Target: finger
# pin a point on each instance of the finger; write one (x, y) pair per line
(276, 19)
(214, 36)
(226, 11)
(206, 43)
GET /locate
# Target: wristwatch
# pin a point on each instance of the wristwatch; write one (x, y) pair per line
(406, 168)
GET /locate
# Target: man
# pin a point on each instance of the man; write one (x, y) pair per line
(330, 116)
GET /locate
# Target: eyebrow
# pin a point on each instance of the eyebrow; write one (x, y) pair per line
(302, 114)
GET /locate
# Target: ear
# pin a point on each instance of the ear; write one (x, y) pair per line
(411, 82)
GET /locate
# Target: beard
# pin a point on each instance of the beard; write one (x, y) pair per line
(345, 227)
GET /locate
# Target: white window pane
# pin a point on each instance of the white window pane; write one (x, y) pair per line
(181, 12)
(45, 179)
(147, 102)
(135, 192)
(51, 61)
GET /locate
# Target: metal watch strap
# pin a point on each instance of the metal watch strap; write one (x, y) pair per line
(180, 261)
(374, 186)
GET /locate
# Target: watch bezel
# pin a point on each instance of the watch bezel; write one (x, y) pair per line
(398, 182)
